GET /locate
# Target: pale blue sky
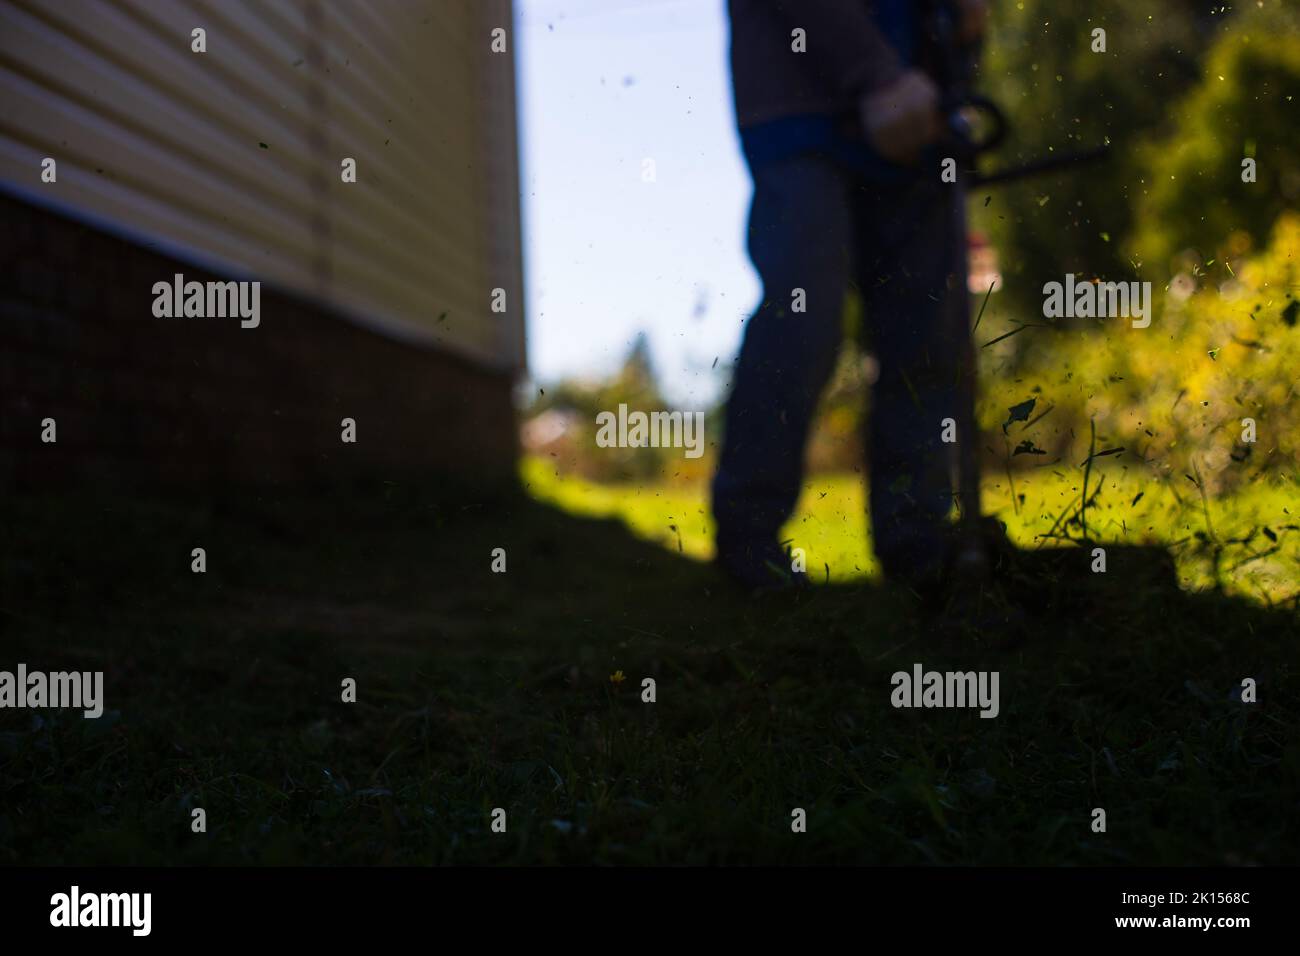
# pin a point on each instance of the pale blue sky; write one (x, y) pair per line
(604, 85)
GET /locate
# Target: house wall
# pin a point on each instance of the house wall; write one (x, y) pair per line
(376, 295)
(141, 402)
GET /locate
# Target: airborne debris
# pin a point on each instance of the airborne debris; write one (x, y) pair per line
(1019, 413)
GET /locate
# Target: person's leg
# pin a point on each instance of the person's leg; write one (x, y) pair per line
(800, 234)
(913, 278)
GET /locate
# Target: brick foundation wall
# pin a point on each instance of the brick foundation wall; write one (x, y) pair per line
(144, 403)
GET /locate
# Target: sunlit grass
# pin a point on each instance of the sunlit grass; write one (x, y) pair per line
(828, 523)
(1131, 509)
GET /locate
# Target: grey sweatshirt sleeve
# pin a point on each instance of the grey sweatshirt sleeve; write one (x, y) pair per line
(843, 39)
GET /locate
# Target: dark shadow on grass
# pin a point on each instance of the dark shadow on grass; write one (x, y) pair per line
(525, 690)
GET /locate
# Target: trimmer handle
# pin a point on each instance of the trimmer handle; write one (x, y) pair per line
(960, 130)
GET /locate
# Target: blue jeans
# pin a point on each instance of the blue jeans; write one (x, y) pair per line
(817, 226)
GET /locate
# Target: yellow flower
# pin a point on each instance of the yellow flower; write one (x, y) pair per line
(617, 678)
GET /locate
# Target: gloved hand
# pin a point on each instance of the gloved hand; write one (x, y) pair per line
(903, 118)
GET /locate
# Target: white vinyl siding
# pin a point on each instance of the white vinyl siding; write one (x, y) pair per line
(164, 144)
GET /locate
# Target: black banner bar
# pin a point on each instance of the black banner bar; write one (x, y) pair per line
(334, 905)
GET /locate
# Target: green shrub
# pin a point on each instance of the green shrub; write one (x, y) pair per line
(1173, 395)
(1247, 105)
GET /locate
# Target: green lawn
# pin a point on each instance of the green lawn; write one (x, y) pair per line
(1252, 537)
(479, 690)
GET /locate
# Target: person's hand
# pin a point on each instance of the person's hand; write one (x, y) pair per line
(974, 14)
(903, 118)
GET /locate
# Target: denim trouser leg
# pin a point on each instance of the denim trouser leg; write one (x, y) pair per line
(912, 270)
(812, 227)
(800, 238)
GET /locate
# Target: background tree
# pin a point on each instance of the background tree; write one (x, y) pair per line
(1060, 95)
(1246, 105)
